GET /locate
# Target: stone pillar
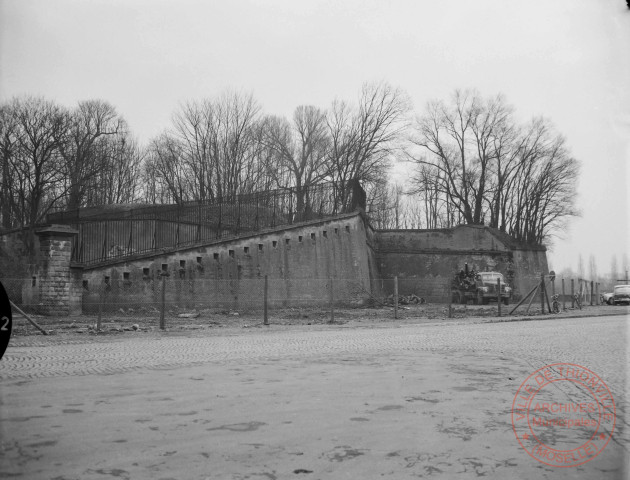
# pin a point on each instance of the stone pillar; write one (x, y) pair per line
(57, 291)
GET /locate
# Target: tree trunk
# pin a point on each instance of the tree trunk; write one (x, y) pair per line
(5, 199)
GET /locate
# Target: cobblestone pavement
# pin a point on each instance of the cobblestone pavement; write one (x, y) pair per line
(260, 383)
(576, 340)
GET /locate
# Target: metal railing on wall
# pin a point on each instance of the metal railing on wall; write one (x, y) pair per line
(108, 235)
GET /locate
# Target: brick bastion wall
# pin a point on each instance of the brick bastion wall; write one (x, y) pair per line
(425, 261)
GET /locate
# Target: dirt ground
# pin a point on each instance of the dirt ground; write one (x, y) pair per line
(218, 320)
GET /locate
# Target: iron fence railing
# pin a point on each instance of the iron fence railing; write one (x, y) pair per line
(109, 233)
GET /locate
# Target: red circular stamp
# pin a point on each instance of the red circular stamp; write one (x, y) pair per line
(563, 415)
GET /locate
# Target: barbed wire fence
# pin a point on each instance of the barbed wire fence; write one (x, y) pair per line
(169, 300)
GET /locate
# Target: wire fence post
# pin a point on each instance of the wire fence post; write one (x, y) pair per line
(597, 299)
(331, 299)
(499, 296)
(547, 298)
(266, 291)
(101, 300)
(563, 295)
(592, 293)
(450, 303)
(542, 294)
(396, 297)
(572, 293)
(163, 275)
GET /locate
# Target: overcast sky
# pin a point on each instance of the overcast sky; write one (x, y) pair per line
(568, 60)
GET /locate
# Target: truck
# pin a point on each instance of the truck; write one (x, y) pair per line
(480, 287)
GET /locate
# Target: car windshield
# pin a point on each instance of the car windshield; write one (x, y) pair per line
(491, 277)
(622, 289)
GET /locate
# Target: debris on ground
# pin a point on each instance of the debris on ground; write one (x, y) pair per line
(411, 299)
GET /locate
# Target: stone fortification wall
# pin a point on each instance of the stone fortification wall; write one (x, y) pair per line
(230, 274)
(299, 261)
(461, 238)
(426, 260)
(529, 265)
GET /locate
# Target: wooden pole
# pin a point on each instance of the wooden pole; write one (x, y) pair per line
(597, 299)
(533, 290)
(563, 295)
(33, 322)
(531, 300)
(163, 302)
(547, 297)
(572, 293)
(332, 301)
(591, 293)
(499, 295)
(265, 316)
(450, 303)
(396, 297)
(542, 294)
(101, 299)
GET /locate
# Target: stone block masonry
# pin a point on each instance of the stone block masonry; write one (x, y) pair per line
(54, 279)
(425, 261)
(298, 260)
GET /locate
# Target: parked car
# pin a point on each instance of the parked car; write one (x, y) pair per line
(621, 294)
(606, 298)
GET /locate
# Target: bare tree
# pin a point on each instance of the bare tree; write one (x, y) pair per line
(211, 151)
(165, 173)
(480, 167)
(237, 116)
(37, 163)
(269, 170)
(390, 207)
(433, 193)
(580, 267)
(592, 268)
(9, 132)
(543, 192)
(195, 132)
(461, 140)
(119, 181)
(301, 149)
(86, 126)
(614, 268)
(363, 139)
(33, 161)
(381, 205)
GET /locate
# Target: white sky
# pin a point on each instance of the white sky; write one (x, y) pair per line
(567, 60)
